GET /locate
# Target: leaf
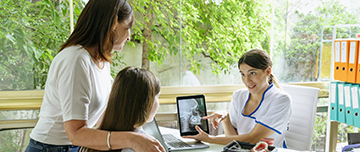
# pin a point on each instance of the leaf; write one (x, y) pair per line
(77, 11)
(11, 38)
(37, 53)
(43, 7)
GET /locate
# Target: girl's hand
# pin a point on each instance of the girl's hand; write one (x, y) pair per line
(216, 118)
(202, 136)
(146, 143)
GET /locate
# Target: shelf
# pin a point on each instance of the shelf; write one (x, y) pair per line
(332, 126)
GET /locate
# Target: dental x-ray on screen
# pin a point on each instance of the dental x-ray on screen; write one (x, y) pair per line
(191, 109)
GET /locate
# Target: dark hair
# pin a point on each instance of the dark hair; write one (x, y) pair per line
(131, 100)
(96, 23)
(258, 59)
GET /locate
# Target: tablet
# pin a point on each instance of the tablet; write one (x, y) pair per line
(190, 110)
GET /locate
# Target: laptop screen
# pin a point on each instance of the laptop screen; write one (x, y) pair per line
(152, 129)
(191, 109)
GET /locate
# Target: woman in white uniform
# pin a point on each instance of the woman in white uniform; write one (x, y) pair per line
(79, 82)
(262, 110)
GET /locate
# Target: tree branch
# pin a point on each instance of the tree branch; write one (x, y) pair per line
(208, 56)
(163, 4)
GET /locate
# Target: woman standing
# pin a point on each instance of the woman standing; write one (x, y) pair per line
(79, 83)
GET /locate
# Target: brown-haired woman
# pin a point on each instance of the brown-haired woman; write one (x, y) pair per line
(79, 83)
(259, 111)
(133, 99)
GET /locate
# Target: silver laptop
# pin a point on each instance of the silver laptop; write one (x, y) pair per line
(169, 141)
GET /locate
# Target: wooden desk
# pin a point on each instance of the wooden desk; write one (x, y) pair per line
(213, 147)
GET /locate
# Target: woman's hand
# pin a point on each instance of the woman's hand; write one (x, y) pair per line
(146, 143)
(216, 118)
(202, 136)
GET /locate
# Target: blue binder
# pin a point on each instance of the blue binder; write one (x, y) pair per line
(333, 101)
(341, 103)
(348, 104)
(355, 90)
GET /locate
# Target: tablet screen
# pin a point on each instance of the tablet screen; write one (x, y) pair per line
(191, 109)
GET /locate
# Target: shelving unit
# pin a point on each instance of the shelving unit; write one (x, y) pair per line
(332, 126)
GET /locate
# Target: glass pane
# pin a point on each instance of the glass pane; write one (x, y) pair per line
(200, 41)
(14, 140)
(31, 33)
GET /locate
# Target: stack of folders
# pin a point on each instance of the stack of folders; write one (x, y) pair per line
(344, 102)
(346, 60)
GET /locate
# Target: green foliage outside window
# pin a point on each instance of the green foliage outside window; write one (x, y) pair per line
(31, 35)
(219, 31)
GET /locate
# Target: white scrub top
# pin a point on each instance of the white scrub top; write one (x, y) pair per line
(273, 112)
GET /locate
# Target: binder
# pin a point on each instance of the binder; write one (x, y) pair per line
(341, 105)
(344, 58)
(333, 101)
(348, 104)
(355, 90)
(337, 60)
(353, 60)
(358, 66)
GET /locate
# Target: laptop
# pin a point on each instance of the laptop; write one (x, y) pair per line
(173, 143)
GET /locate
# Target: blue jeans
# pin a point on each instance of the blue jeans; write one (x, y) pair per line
(35, 146)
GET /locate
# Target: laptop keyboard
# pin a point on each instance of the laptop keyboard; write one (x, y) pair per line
(172, 141)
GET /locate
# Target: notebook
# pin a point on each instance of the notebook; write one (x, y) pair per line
(190, 109)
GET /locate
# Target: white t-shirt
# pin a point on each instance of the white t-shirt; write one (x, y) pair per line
(273, 112)
(75, 89)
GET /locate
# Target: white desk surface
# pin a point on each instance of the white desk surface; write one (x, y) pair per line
(213, 147)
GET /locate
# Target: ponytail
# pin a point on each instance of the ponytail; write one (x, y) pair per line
(273, 80)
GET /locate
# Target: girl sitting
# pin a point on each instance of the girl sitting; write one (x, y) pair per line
(133, 101)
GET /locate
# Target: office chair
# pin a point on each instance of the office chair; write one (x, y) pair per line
(304, 102)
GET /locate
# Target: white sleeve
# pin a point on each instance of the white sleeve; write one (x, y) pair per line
(74, 87)
(278, 114)
(233, 111)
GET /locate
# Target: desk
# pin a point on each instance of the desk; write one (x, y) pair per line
(213, 147)
(32, 100)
